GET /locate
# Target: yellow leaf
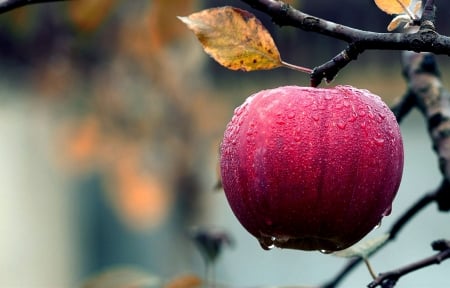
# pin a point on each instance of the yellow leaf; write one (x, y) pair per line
(235, 38)
(393, 6)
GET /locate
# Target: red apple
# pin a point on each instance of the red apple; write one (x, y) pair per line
(311, 168)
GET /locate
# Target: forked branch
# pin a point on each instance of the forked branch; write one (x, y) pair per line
(389, 279)
(426, 39)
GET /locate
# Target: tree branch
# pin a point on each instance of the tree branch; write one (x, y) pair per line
(426, 39)
(8, 5)
(389, 279)
(399, 224)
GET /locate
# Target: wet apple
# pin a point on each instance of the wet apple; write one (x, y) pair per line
(311, 168)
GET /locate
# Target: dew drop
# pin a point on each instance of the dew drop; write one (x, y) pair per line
(267, 243)
(378, 140)
(307, 101)
(328, 96)
(378, 225)
(346, 103)
(388, 211)
(323, 251)
(281, 122)
(315, 117)
(238, 111)
(341, 125)
(352, 117)
(297, 138)
(291, 115)
(363, 124)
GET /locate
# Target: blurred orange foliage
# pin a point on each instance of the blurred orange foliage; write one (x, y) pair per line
(146, 112)
(88, 15)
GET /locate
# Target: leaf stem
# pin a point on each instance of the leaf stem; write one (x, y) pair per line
(296, 68)
(370, 268)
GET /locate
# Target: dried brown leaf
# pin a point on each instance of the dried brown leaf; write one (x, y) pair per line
(235, 38)
(393, 6)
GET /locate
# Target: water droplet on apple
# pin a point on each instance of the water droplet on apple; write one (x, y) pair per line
(378, 140)
(388, 211)
(341, 125)
(378, 225)
(238, 111)
(346, 103)
(315, 117)
(328, 96)
(267, 242)
(291, 115)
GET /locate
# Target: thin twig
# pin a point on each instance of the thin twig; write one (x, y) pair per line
(425, 39)
(401, 222)
(8, 5)
(389, 279)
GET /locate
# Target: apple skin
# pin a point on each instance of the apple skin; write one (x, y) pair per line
(311, 168)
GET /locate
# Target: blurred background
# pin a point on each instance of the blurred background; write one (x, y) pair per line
(111, 116)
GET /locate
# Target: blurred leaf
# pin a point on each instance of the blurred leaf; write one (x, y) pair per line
(88, 15)
(141, 199)
(83, 141)
(185, 281)
(393, 6)
(123, 277)
(364, 248)
(210, 242)
(235, 38)
(162, 27)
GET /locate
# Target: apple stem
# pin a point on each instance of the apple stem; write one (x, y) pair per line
(370, 268)
(296, 68)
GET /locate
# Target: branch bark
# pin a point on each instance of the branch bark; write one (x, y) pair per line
(389, 279)
(8, 5)
(426, 39)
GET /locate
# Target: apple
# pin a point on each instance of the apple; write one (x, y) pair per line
(311, 168)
